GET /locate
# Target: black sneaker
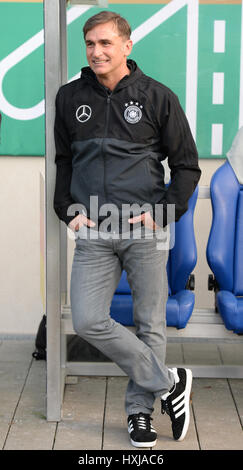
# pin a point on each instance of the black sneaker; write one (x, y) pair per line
(176, 403)
(142, 433)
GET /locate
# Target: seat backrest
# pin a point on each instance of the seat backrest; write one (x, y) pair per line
(238, 259)
(182, 257)
(225, 242)
(123, 286)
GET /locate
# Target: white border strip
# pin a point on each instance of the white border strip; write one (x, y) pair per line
(218, 88)
(219, 36)
(241, 73)
(192, 64)
(217, 139)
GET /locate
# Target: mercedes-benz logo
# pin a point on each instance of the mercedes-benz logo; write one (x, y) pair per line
(83, 113)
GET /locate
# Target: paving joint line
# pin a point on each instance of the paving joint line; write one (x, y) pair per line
(17, 404)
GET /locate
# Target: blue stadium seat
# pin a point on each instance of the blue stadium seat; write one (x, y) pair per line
(225, 247)
(181, 262)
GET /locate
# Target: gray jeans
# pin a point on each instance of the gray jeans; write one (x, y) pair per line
(96, 271)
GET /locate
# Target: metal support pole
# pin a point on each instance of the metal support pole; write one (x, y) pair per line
(54, 12)
(55, 46)
(64, 79)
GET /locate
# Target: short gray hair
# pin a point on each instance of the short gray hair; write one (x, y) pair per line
(121, 23)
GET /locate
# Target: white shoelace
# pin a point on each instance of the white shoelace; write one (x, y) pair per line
(141, 422)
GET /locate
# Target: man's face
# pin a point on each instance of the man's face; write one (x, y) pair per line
(106, 51)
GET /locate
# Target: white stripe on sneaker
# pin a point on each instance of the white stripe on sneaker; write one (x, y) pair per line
(178, 398)
(177, 407)
(180, 412)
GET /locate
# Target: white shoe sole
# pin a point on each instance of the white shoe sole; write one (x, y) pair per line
(187, 404)
(143, 444)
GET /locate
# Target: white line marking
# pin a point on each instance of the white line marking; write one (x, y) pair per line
(157, 19)
(219, 36)
(139, 33)
(192, 49)
(19, 54)
(241, 74)
(217, 139)
(192, 64)
(218, 88)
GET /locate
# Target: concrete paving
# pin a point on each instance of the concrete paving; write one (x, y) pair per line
(93, 407)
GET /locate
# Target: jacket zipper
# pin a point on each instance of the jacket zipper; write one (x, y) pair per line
(108, 100)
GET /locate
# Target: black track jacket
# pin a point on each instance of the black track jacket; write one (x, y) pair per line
(111, 144)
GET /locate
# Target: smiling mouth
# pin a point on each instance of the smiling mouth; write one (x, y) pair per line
(100, 62)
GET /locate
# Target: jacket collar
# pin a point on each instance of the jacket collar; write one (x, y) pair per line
(88, 74)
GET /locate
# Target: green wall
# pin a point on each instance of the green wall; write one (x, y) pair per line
(162, 54)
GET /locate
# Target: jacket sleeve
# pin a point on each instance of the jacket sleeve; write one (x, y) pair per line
(178, 145)
(63, 160)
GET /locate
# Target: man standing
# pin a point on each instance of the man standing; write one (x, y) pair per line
(113, 128)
